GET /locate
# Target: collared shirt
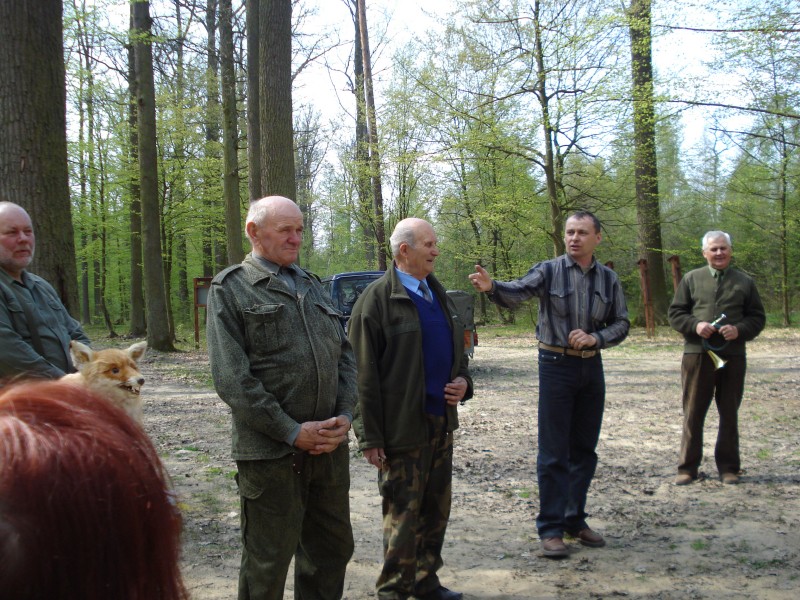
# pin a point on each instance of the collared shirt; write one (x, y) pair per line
(716, 273)
(410, 282)
(285, 274)
(570, 299)
(53, 323)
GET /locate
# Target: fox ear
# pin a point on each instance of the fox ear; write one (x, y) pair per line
(81, 353)
(136, 351)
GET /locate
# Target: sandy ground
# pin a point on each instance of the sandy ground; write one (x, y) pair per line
(705, 540)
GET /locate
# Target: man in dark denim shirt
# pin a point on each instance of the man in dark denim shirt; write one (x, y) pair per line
(581, 311)
(35, 326)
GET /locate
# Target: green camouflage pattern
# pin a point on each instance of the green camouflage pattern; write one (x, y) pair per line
(416, 490)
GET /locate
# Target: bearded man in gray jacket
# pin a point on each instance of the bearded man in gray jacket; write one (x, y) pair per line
(281, 361)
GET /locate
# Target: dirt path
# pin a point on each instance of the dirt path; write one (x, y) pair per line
(698, 541)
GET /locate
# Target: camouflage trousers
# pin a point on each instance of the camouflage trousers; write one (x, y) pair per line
(416, 491)
(295, 506)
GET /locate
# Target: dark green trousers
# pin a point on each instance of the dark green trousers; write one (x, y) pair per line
(702, 384)
(297, 509)
(416, 490)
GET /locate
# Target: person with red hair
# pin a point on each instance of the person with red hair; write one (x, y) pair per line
(85, 509)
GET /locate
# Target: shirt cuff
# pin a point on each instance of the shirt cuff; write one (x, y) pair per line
(290, 439)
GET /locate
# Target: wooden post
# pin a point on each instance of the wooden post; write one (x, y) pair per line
(675, 261)
(647, 302)
(201, 287)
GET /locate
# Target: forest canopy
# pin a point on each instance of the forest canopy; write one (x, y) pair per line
(493, 120)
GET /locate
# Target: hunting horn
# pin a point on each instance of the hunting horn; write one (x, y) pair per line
(718, 361)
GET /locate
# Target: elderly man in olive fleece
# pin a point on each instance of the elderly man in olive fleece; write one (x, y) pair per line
(412, 374)
(35, 327)
(281, 361)
(702, 298)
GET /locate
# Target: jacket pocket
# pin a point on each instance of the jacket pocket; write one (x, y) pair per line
(56, 315)
(262, 325)
(559, 301)
(333, 319)
(17, 316)
(601, 305)
(270, 482)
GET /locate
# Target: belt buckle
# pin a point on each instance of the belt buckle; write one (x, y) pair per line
(587, 353)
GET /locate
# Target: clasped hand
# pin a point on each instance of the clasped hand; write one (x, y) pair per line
(580, 340)
(705, 330)
(319, 437)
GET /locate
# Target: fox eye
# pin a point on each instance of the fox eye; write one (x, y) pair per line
(115, 370)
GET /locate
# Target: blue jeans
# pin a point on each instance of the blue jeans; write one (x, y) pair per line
(572, 393)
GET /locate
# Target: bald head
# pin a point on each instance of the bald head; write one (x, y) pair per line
(274, 226)
(17, 241)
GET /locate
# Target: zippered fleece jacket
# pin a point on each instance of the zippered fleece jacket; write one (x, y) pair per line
(702, 297)
(386, 335)
(278, 358)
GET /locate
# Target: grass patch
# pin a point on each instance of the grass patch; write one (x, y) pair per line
(764, 564)
(201, 376)
(700, 545)
(764, 454)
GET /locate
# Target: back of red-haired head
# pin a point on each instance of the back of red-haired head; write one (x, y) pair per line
(85, 511)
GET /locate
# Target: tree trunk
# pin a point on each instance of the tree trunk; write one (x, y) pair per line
(230, 136)
(210, 242)
(372, 125)
(253, 102)
(783, 227)
(83, 211)
(275, 92)
(646, 171)
(556, 210)
(362, 179)
(158, 330)
(138, 326)
(33, 135)
(103, 227)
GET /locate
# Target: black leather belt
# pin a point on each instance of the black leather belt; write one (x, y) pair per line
(569, 351)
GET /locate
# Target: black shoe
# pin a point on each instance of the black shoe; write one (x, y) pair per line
(441, 593)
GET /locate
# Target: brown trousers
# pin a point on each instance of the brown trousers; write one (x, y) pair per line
(701, 384)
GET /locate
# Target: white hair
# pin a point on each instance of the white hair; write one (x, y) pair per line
(710, 236)
(404, 233)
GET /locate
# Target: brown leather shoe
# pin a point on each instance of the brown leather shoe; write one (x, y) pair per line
(554, 547)
(730, 478)
(589, 537)
(684, 479)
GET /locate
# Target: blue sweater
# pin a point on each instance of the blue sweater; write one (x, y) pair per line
(437, 352)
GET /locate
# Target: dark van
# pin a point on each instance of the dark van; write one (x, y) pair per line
(345, 288)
